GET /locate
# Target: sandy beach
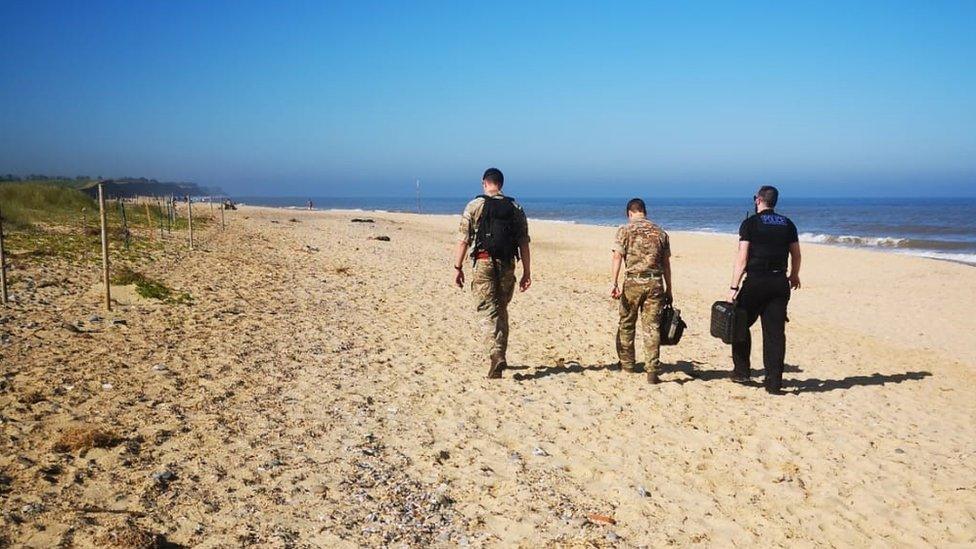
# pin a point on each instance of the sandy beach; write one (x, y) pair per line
(322, 389)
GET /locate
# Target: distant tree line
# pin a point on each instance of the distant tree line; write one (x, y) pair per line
(42, 177)
(136, 185)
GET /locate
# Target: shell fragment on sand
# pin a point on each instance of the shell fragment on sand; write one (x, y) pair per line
(597, 518)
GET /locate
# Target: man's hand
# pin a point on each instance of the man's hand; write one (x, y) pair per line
(733, 294)
(668, 297)
(614, 292)
(794, 282)
(525, 282)
(459, 278)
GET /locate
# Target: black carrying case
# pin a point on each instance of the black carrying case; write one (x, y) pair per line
(671, 325)
(729, 322)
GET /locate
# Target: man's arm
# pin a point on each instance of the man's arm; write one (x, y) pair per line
(667, 278)
(465, 236)
(526, 265)
(618, 259)
(524, 253)
(741, 259)
(795, 265)
(459, 255)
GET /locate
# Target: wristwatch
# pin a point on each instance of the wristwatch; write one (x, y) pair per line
(458, 268)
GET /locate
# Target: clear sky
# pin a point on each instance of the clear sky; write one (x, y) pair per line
(586, 99)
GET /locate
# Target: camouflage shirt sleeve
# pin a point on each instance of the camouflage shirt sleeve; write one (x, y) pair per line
(523, 226)
(620, 240)
(469, 221)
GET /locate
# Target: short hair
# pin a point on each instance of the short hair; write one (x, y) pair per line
(636, 205)
(495, 176)
(769, 195)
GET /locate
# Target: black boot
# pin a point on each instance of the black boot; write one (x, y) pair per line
(497, 365)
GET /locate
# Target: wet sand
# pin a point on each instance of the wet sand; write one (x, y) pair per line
(322, 389)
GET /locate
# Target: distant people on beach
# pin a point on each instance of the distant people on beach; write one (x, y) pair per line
(645, 252)
(766, 240)
(309, 204)
(495, 229)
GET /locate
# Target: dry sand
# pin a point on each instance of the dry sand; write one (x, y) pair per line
(322, 390)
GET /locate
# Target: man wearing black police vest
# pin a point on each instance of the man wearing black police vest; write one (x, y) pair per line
(766, 240)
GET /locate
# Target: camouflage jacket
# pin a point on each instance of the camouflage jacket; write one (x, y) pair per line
(644, 246)
(472, 215)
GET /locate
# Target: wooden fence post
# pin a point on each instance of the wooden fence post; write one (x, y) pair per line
(159, 206)
(189, 219)
(3, 266)
(125, 224)
(105, 277)
(222, 226)
(152, 230)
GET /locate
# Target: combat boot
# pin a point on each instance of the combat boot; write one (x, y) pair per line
(497, 365)
(652, 377)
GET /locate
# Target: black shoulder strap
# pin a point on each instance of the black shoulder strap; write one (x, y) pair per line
(486, 197)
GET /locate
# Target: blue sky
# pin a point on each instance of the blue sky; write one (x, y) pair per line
(585, 99)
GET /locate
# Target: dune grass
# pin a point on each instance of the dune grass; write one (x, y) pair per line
(148, 287)
(51, 219)
(24, 204)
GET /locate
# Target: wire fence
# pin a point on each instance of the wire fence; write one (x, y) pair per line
(125, 223)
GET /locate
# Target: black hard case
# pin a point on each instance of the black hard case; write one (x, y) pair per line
(671, 325)
(729, 322)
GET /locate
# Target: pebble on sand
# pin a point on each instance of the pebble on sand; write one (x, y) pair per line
(164, 477)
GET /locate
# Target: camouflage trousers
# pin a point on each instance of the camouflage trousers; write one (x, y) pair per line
(492, 291)
(644, 297)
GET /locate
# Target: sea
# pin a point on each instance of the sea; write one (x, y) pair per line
(937, 228)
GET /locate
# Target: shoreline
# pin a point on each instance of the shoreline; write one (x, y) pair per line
(922, 253)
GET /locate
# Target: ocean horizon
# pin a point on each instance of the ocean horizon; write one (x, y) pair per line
(937, 228)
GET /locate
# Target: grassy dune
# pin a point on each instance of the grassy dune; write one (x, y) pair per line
(43, 219)
(25, 204)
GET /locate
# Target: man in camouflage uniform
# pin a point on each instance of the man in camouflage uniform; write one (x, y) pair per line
(493, 281)
(645, 250)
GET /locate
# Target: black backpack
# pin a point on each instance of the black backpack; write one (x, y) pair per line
(498, 231)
